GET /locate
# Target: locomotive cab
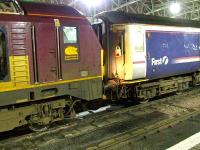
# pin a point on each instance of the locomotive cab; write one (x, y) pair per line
(44, 65)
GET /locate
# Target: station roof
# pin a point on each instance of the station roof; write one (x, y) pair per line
(117, 17)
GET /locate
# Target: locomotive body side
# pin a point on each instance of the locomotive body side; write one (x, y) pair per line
(49, 60)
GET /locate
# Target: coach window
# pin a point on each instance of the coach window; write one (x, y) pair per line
(70, 35)
(3, 56)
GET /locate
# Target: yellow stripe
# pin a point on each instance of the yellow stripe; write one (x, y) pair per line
(51, 15)
(134, 81)
(102, 66)
(45, 84)
(22, 101)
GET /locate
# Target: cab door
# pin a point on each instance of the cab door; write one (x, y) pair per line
(70, 52)
(46, 52)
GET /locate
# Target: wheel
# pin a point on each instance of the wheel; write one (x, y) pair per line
(38, 128)
(143, 101)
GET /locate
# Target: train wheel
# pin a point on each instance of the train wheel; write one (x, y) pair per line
(38, 128)
(143, 101)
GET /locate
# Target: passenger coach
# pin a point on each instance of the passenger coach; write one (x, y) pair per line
(147, 56)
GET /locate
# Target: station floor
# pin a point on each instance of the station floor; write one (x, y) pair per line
(183, 136)
(197, 147)
(191, 143)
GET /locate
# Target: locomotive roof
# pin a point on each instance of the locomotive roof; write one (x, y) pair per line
(49, 10)
(117, 17)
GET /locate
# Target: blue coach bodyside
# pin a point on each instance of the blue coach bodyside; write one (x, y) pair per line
(172, 53)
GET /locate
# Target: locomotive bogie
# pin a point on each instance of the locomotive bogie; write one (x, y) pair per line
(41, 114)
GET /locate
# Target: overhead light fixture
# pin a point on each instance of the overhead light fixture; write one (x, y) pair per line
(92, 3)
(175, 8)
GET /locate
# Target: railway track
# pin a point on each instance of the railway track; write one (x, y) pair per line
(120, 129)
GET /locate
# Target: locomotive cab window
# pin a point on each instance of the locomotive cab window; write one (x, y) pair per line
(70, 35)
(3, 56)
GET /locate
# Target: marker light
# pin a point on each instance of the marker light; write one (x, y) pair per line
(175, 8)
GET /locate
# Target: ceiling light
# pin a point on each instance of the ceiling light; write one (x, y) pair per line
(175, 8)
(92, 3)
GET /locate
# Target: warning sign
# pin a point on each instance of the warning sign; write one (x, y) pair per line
(71, 53)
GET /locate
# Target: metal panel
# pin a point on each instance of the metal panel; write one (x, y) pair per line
(49, 10)
(19, 61)
(19, 69)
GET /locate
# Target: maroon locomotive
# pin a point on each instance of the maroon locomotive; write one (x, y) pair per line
(49, 58)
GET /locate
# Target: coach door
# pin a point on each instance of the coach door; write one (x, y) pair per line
(46, 62)
(135, 66)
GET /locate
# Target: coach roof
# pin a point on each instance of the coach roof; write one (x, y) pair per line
(117, 17)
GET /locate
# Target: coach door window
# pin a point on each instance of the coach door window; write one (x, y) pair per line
(3, 56)
(71, 46)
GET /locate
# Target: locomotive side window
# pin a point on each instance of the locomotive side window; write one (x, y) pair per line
(3, 56)
(70, 35)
